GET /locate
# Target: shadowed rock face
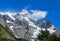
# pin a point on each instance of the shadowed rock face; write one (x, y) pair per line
(45, 23)
(2, 22)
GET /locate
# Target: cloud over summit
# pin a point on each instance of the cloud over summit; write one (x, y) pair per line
(36, 14)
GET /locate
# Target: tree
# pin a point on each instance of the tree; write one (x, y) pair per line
(43, 35)
(46, 36)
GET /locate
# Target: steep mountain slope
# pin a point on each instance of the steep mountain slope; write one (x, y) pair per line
(22, 26)
(2, 20)
(45, 23)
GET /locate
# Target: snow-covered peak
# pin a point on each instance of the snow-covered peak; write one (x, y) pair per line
(24, 13)
(10, 15)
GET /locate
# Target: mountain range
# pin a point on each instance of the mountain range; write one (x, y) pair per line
(22, 26)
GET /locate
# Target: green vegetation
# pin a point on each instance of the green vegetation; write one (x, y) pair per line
(46, 36)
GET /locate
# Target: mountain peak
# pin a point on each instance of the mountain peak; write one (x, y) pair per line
(45, 23)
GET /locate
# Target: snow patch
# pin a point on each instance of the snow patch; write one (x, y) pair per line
(11, 27)
(9, 14)
(8, 21)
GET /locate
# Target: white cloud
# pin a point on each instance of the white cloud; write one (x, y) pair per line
(36, 14)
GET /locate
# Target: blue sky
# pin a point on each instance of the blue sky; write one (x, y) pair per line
(51, 6)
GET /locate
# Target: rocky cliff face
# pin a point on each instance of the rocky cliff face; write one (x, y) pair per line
(24, 27)
(2, 22)
(45, 23)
